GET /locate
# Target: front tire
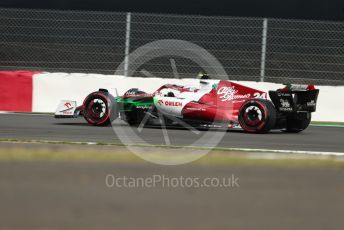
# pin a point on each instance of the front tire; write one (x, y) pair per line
(257, 116)
(99, 108)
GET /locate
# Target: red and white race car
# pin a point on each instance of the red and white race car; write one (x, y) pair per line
(221, 104)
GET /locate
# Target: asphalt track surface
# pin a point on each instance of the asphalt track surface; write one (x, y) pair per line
(74, 195)
(46, 127)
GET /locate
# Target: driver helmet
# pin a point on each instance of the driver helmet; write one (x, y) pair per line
(203, 76)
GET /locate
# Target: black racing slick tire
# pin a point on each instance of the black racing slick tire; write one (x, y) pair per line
(257, 116)
(298, 125)
(100, 108)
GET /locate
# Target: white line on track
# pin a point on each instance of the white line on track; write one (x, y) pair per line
(288, 151)
(271, 152)
(328, 125)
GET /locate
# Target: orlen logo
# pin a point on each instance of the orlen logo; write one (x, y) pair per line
(229, 93)
(173, 103)
(170, 103)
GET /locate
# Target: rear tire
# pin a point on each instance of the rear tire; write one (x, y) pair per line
(298, 125)
(257, 116)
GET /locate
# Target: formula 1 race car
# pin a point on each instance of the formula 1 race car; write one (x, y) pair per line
(220, 104)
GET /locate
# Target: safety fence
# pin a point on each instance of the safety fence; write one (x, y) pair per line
(250, 49)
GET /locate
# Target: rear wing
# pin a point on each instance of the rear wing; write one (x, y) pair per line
(295, 98)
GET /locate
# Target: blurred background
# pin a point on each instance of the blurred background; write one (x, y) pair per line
(254, 40)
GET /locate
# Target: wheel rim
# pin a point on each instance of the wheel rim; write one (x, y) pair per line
(253, 116)
(97, 110)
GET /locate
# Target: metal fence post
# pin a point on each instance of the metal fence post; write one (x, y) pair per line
(127, 44)
(263, 60)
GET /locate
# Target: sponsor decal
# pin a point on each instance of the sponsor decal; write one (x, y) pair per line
(237, 102)
(143, 107)
(131, 92)
(286, 109)
(173, 103)
(230, 93)
(68, 105)
(285, 105)
(311, 103)
(196, 109)
(68, 110)
(170, 103)
(65, 111)
(295, 87)
(284, 94)
(260, 95)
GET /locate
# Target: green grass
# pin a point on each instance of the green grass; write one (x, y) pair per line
(69, 154)
(327, 123)
(120, 154)
(216, 158)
